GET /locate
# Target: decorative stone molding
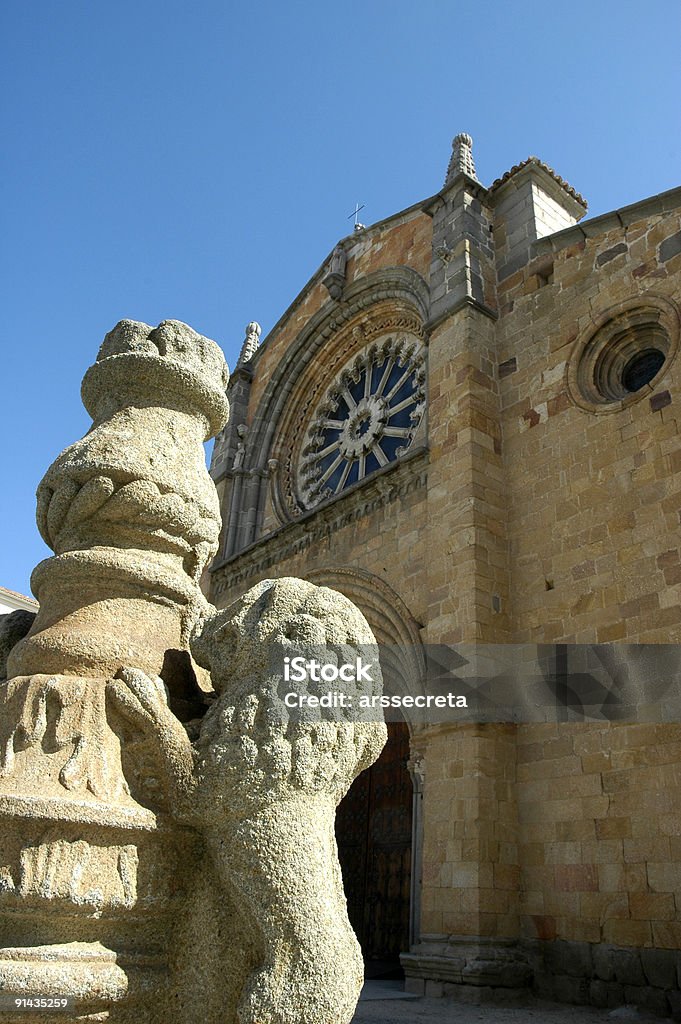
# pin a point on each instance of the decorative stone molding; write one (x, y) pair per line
(395, 629)
(398, 295)
(298, 536)
(467, 968)
(602, 368)
(416, 766)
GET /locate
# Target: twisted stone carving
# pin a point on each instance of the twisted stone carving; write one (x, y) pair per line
(130, 510)
(85, 826)
(142, 875)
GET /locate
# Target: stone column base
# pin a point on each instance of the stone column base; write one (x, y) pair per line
(473, 970)
(88, 974)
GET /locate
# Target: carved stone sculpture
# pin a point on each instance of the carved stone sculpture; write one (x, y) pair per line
(143, 876)
(130, 510)
(89, 847)
(262, 788)
(334, 279)
(240, 453)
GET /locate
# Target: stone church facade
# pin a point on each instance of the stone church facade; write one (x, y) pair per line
(467, 423)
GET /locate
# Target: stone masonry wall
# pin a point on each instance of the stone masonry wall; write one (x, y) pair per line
(371, 539)
(470, 852)
(550, 216)
(594, 499)
(529, 519)
(405, 244)
(600, 833)
(594, 554)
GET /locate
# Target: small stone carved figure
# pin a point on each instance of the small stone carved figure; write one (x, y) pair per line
(334, 279)
(240, 453)
(262, 785)
(339, 258)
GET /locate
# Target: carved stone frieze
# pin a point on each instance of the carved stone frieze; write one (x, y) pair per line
(59, 722)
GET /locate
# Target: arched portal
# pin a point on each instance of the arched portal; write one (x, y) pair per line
(374, 836)
(378, 835)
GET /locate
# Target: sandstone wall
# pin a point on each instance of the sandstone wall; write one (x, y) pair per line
(529, 518)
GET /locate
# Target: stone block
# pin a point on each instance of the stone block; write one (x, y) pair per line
(570, 958)
(664, 877)
(627, 933)
(660, 401)
(543, 984)
(647, 998)
(415, 986)
(606, 993)
(598, 993)
(670, 247)
(660, 966)
(626, 967)
(576, 877)
(434, 989)
(571, 990)
(604, 963)
(674, 1002)
(647, 906)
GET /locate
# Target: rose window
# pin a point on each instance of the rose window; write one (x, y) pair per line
(367, 419)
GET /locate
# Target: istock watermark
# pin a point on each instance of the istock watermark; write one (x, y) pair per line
(480, 682)
(300, 670)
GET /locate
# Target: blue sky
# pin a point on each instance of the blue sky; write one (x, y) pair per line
(198, 161)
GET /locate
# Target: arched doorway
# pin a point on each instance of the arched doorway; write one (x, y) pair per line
(374, 835)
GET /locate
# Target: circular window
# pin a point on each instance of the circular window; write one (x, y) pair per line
(366, 419)
(624, 358)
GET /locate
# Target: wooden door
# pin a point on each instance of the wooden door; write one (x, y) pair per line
(373, 831)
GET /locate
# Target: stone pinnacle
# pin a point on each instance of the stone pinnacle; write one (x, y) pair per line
(251, 342)
(461, 161)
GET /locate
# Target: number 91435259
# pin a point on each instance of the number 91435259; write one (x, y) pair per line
(10, 1001)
